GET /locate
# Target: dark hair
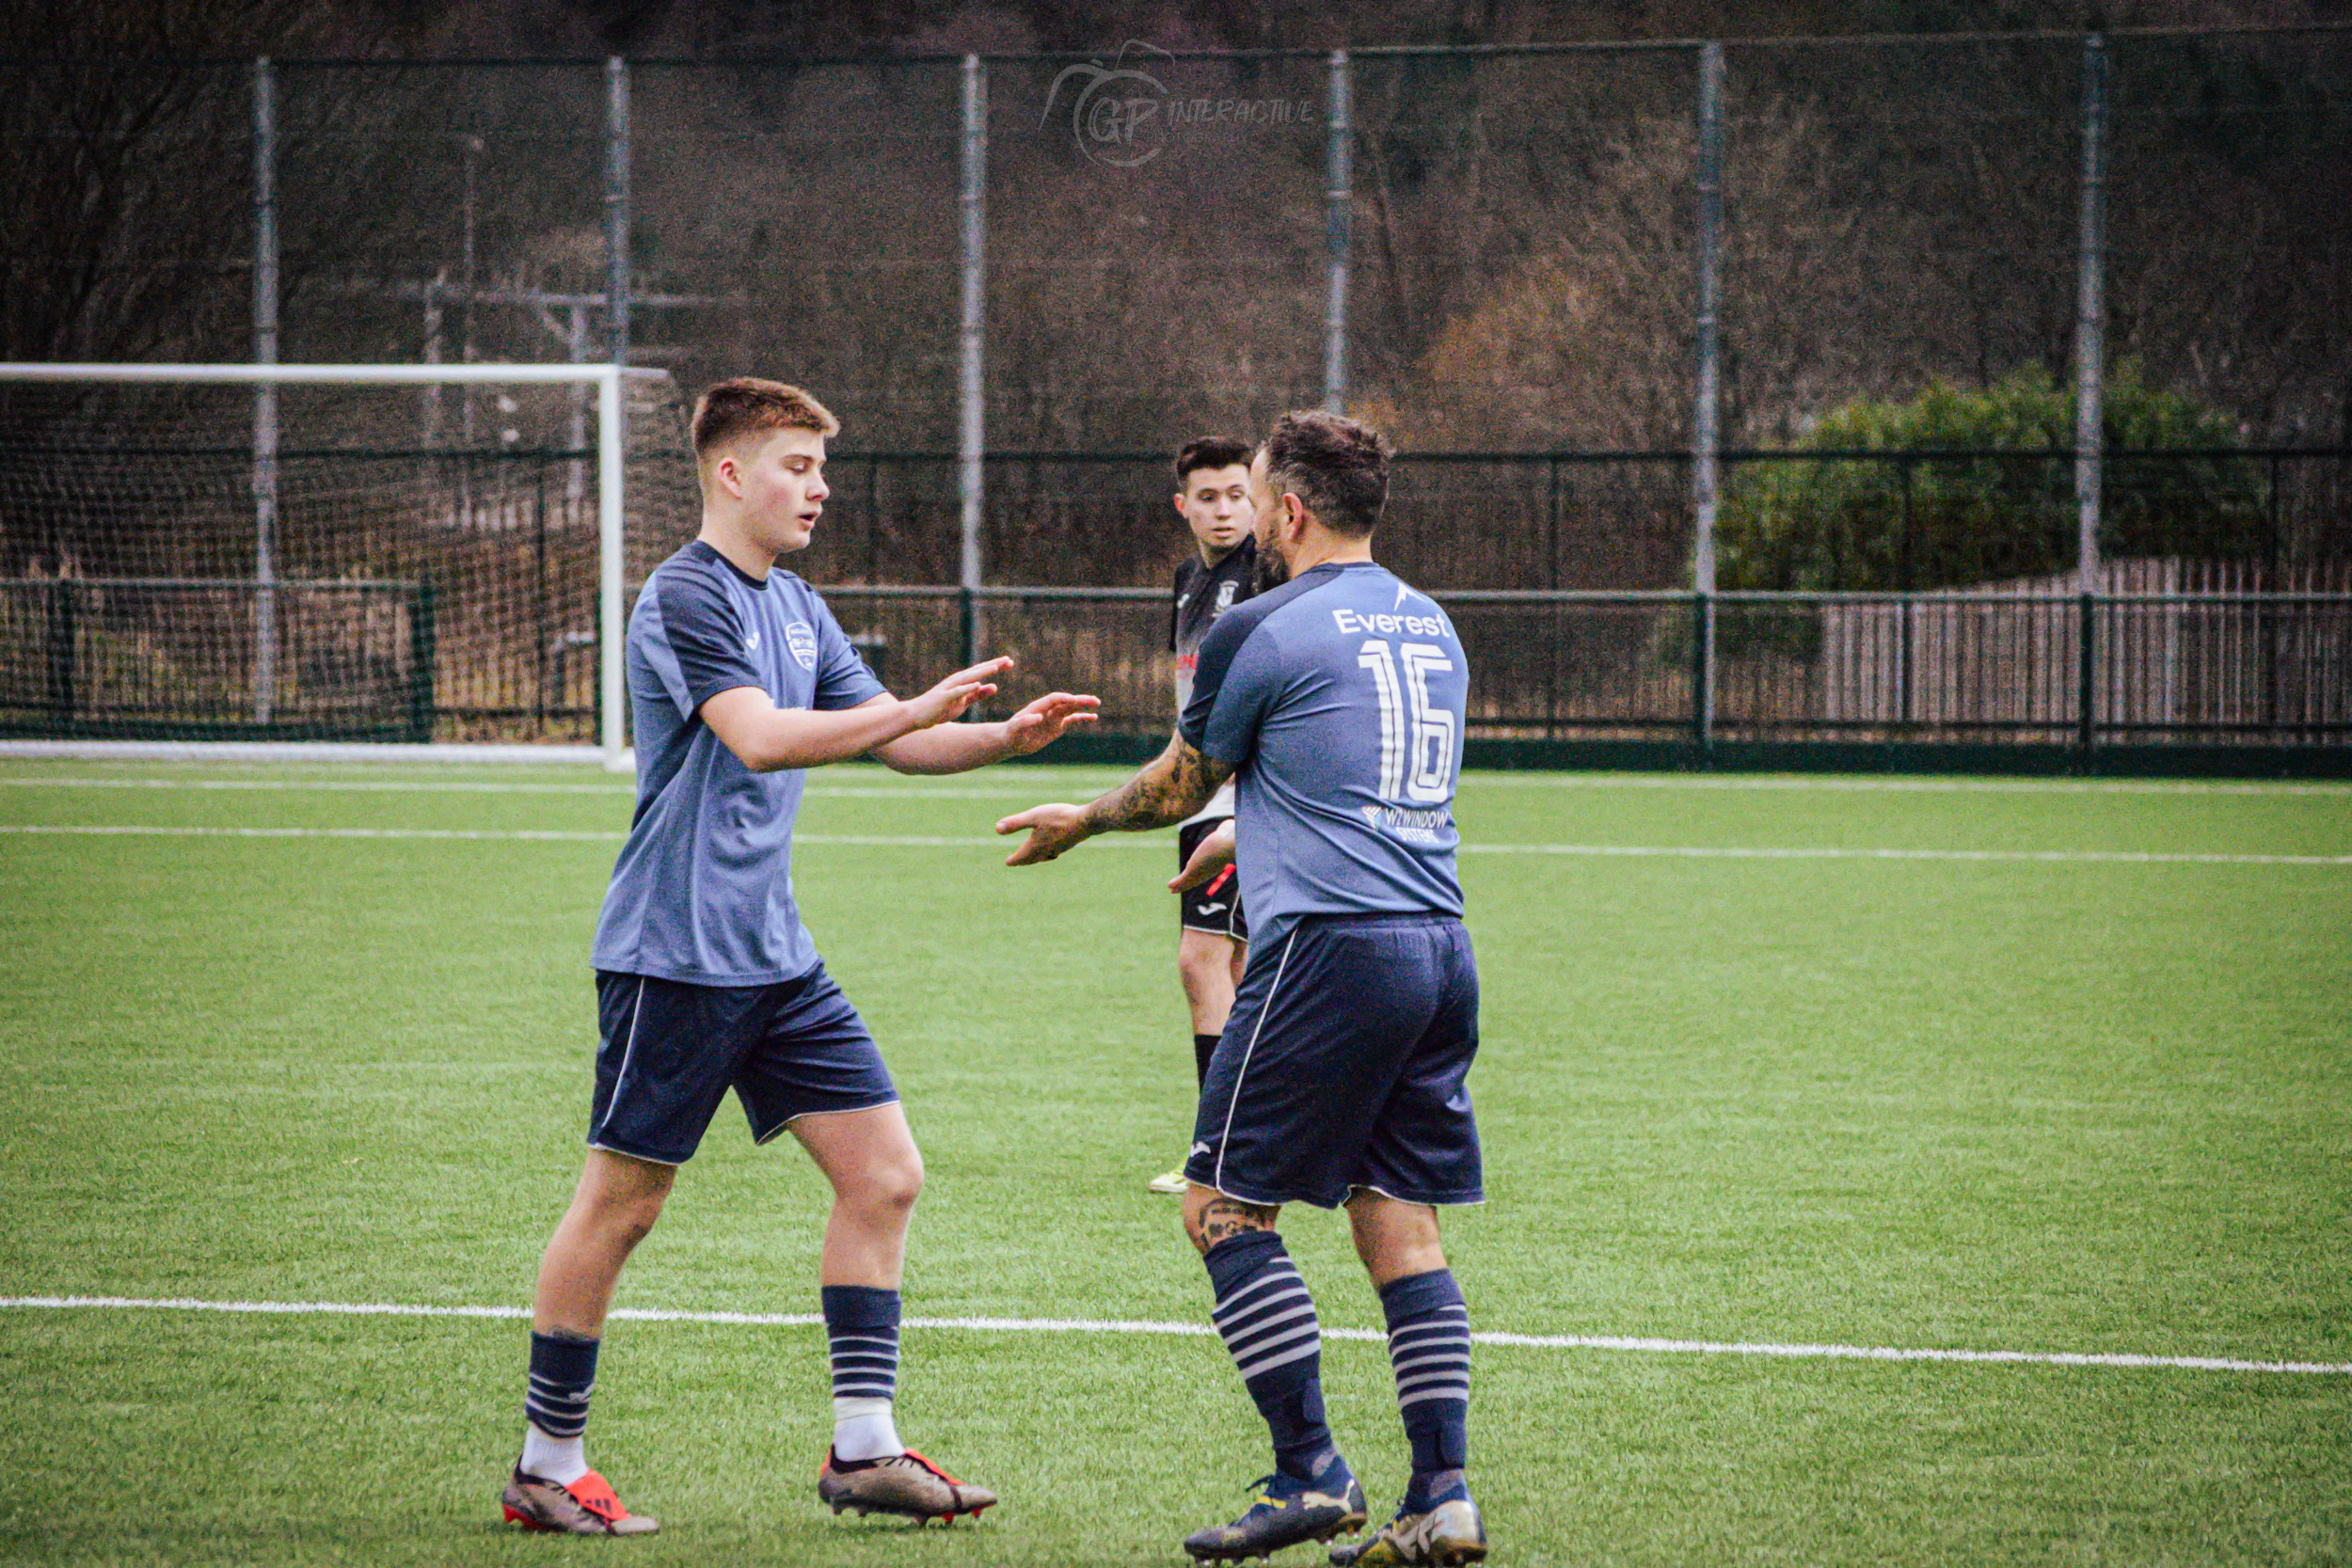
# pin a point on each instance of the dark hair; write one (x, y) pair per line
(1210, 452)
(1338, 465)
(748, 404)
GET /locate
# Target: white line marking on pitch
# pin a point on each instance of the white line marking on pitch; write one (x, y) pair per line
(611, 791)
(394, 787)
(2115, 857)
(1501, 780)
(915, 841)
(596, 837)
(1904, 786)
(1114, 1325)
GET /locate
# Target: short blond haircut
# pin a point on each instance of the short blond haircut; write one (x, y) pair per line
(749, 406)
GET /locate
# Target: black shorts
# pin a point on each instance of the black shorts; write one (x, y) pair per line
(1344, 1065)
(672, 1051)
(1216, 907)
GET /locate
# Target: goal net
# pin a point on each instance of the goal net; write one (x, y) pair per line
(382, 553)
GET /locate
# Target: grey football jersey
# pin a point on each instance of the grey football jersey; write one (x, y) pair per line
(1339, 699)
(703, 889)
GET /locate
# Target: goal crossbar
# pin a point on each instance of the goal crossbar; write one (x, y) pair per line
(610, 456)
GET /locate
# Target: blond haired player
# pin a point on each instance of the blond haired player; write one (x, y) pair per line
(740, 680)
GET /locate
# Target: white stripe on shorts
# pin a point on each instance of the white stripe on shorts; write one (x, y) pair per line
(1241, 1075)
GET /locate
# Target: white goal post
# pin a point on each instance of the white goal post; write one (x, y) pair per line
(611, 465)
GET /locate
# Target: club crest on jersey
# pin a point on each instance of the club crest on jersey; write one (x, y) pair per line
(1225, 595)
(801, 639)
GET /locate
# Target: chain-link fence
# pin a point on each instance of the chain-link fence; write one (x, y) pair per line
(1595, 293)
(1518, 229)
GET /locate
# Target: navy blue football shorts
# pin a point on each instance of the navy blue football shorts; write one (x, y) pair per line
(1344, 1066)
(1215, 906)
(672, 1051)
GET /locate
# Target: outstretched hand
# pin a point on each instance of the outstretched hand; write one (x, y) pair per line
(950, 697)
(1051, 829)
(1210, 856)
(1046, 719)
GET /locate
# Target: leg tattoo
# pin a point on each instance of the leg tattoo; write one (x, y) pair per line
(1227, 1217)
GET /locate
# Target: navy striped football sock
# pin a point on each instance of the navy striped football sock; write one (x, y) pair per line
(1268, 1323)
(862, 1330)
(1429, 1346)
(562, 1375)
(555, 1407)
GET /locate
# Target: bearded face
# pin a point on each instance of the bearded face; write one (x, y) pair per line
(1269, 570)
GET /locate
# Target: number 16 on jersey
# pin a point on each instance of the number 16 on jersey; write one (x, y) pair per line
(1416, 735)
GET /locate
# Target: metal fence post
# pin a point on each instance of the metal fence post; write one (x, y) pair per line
(1704, 436)
(613, 717)
(1551, 581)
(612, 427)
(543, 629)
(972, 443)
(2090, 314)
(2086, 674)
(616, 159)
(470, 152)
(264, 395)
(1338, 198)
(2089, 366)
(423, 650)
(1702, 668)
(429, 403)
(2269, 611)
(1906, 576)
(61, 653)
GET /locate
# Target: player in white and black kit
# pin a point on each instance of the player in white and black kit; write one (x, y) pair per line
(1213, 497)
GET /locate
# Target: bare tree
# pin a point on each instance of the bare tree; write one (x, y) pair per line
(1589, 342)
(128, 210)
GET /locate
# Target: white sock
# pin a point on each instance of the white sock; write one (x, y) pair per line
(862, 1429)
(560, 1460)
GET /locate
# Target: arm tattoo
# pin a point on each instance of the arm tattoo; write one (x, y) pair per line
(1227, 1217)
(1170, 788)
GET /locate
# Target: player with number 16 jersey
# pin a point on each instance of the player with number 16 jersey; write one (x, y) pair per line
(1339, 698)
(1335, 700)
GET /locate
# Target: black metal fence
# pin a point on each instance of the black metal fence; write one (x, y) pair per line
(2211, 668)
(363, 659)
(449, 596)
(176, 658)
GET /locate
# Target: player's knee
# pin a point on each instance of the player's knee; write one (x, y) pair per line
(619, 1201)
(1199, 971)
(892, 1186)
(1395, 1239)
(1206, 970)
(629, 1219)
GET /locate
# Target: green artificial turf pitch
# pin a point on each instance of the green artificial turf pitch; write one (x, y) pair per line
(2061, 1104)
